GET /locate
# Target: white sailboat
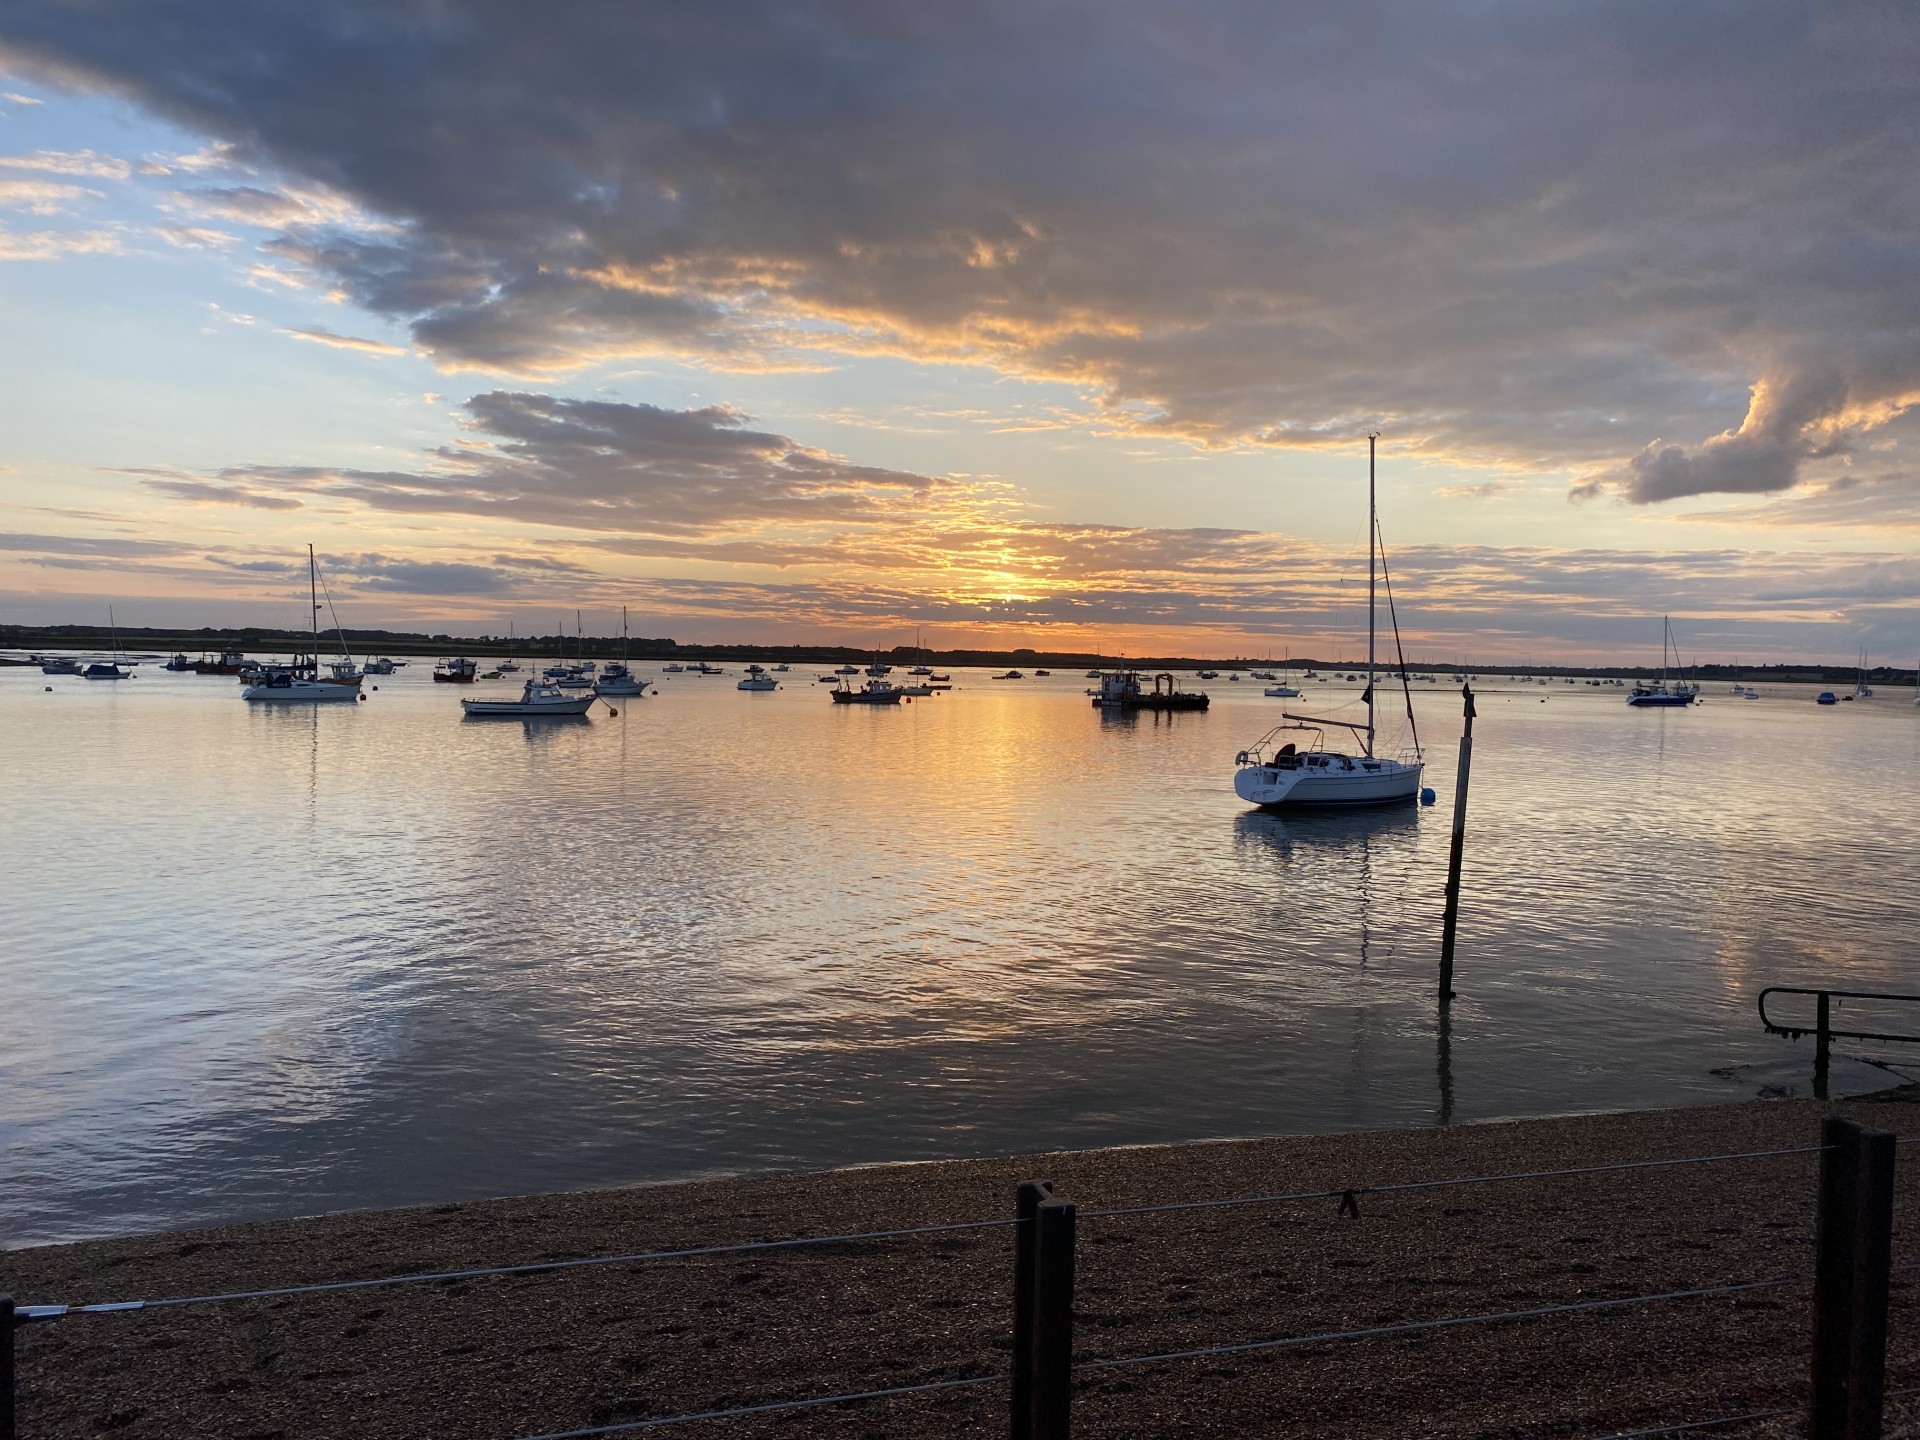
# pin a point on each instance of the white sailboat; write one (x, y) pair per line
(281, 685)
(1663, 693)
(1278, 774)
(618, 678)
(1862, 690)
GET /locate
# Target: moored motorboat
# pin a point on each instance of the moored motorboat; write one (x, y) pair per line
(58, 665)
(757, 678)
(1009, 675)
(384, 666)
(456, 670)
(536, 698)
(874, 692)
(178, 662)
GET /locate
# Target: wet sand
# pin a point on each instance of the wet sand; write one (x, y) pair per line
(499, 1358)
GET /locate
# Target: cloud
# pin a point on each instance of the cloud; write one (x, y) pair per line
(1537, 238)
(86, 163)
(195, 237)
(1809, 412)
(321, 336)
(605, 466)
(102, 546)
(193, 491)
(13, 97)
(41, 197)
(52, 244)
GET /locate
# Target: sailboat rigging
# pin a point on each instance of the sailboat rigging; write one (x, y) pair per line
(287, 684)
(1661, 692)
(1276, 774)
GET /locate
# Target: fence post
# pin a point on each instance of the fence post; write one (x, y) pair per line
(1853, 1242)
(7, 1431)
(1872, 1277)
(1025, 1235)
(1053, 1320)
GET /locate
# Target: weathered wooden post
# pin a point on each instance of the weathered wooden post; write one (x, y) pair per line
(7, 1431)
(1042, 1388)
(1459, 843)
(1025, 1206)
(1853, 1256)
(1053, 1321)
(1822, 1046)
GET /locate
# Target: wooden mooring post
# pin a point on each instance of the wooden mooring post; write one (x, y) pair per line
(1459, 845)
(7, 1325)
(1853, 1260)
(1042, 1390)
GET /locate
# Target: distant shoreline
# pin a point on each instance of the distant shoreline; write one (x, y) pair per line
(523, 1355)
(27, 640)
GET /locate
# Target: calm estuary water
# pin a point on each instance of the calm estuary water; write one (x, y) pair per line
(263, 962)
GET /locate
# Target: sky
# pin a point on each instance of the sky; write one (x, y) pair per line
(1049, 324)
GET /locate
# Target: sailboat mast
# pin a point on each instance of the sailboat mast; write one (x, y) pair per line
(1372, 439)
(313, 605)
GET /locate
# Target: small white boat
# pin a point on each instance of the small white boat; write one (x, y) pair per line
(757, 678)
(1281, 692)
(848, 670)
(384, 666)
(781, 669)
(673, 669)
(536, 698)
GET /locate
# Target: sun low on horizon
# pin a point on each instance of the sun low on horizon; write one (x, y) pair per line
(981, 328)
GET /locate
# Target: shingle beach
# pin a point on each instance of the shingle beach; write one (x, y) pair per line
(506, 1357)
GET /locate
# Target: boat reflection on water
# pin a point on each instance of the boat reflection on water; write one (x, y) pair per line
(1332, 831)
(1345, 844)
(534, 727)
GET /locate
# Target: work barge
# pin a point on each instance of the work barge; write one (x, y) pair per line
(1126, 690)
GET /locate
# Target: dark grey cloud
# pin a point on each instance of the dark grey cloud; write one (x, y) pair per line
(603, 465)
(1565, 236)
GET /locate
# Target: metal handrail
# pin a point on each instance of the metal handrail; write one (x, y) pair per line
(1821, 1026)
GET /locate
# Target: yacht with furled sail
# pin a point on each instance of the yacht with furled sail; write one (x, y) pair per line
(285, 684)
(1276, 773)
(618, 678)
(1662, 693)
(110, 669)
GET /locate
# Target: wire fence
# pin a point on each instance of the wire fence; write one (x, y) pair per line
(1853, 1222)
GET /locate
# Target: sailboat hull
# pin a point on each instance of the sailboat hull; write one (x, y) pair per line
(1342, 782)
(299, 692)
